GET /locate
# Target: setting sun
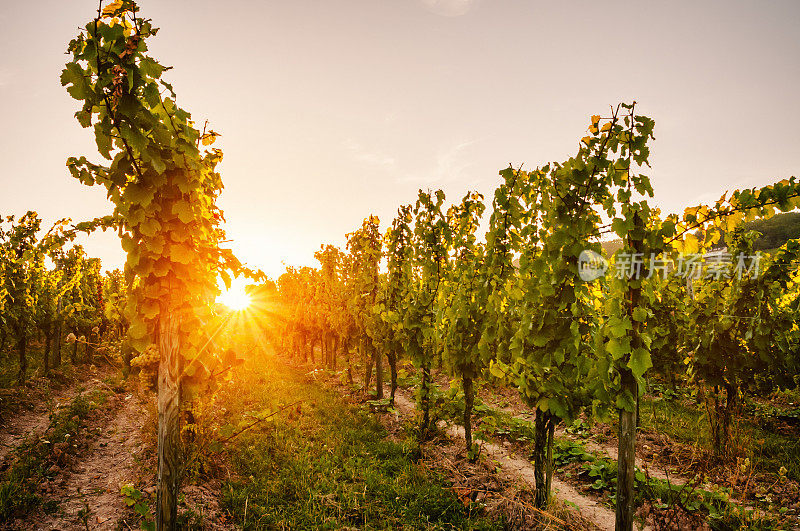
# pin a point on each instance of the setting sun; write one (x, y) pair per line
(235, 298)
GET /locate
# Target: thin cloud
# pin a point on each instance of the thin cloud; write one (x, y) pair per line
(449, 8)
(450, 166)
(373, 158)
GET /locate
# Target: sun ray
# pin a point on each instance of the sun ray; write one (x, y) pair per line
(236, 297)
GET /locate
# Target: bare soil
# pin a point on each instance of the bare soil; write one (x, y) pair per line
(87, 492)
(26, 410)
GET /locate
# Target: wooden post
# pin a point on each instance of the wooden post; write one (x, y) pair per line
(168, 421)
(57, 337)
(88, 349)
(542, 493)
(469, 400)
(626, 456)
(48, 343)
(378, 372)
(626, 459)
(392, 356)
(425, 397)
(22, 352)
(366, 353)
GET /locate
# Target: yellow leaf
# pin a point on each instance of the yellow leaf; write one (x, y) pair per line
(606, 127)
(161, 268)
(111, 8)
(128, 245)
(150, 227)
(181, 253)
(691, 244)
(154, 244)
(149, 309)
(209, 138)
(138, 194)
(137, 329)
(183, 210)
(586, 139)
(543, 404)
(595, 119)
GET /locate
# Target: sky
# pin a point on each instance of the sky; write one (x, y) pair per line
(332, 111)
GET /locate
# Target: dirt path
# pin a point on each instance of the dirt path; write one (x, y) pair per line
(606, 450)
(522, 469)
(20, 426)
(88, 493)
(654, 470)
(27, 424)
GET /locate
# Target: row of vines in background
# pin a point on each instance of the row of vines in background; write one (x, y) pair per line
(52, 293)
(512, 306)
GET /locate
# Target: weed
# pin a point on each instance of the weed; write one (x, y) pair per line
(331, 467)
(134, 498)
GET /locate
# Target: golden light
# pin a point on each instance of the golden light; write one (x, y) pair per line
(235, 298)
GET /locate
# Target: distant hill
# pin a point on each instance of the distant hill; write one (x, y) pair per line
(775, 231)
(612, 246)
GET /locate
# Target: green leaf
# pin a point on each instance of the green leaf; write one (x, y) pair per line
(639, 314)
(540, 340)
(84, 118)
(103, 140)
(73, 75)
(150, 68)
(150, 227)
(496, 371)
(618, 330)
(135, 139)
(151, 95)
(156, 159)
(128, 245)
(640, 362)
(621, 227)
(618, 348)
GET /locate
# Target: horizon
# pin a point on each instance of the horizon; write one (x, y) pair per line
(331, 113)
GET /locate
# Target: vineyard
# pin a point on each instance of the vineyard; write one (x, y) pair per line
(560, 354)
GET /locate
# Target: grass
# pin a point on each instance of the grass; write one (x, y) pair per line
(672, 417)
(330, 466)
(767, 450)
